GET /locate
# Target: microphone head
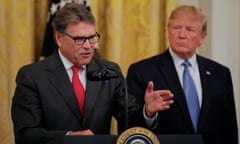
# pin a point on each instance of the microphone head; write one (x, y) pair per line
(103, 74)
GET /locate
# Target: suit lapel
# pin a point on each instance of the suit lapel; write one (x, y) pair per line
(205, 74)
(171, 77)
(93, 90)
(60, 80)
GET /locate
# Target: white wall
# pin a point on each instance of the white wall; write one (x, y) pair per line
(222, 43)
(225, 40)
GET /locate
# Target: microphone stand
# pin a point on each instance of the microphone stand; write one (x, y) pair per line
(126, 103)
(103, 75)
(125, 92)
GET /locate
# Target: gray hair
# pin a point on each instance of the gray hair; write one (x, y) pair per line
(71, 14)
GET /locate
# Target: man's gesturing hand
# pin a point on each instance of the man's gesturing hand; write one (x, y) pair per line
(157, 100)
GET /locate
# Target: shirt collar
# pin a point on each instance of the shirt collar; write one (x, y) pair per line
(178, 61)
(67, 64)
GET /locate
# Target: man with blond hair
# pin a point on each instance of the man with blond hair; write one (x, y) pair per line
(202, 88)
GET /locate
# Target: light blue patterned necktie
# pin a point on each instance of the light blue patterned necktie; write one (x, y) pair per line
(191, 95)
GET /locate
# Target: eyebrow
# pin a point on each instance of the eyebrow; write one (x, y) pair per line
(85, 36)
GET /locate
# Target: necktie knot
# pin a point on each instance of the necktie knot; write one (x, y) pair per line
(75, 69)
(186, 64)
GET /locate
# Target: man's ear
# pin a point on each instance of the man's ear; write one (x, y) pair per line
(203, 37)
(58, 38)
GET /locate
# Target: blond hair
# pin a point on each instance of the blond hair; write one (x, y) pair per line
(189, 12)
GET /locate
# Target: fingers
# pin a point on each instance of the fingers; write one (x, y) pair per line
(150, 87)
(166, 103)
(157, 100)
(165, 94)
(166, 98)
(82, 132)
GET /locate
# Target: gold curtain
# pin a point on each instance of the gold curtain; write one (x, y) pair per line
(130, 30)
(22, 23)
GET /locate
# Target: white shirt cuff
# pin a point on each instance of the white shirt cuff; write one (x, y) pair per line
(151, 122)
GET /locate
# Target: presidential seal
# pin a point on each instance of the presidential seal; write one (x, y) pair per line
(137, 135)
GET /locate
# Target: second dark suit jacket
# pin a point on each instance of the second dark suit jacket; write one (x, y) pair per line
(44, 105)
(217, 121)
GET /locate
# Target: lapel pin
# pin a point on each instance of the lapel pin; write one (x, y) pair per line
(208, 73)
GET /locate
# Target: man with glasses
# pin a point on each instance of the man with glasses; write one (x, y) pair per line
(55, 97)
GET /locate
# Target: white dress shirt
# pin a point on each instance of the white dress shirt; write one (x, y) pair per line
(193, 69)
(68, 66)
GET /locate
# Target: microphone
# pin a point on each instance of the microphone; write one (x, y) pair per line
(104, 74)
(107, 73)
(119, 74)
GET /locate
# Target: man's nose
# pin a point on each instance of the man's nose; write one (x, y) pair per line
(182, 33)
(86, 44)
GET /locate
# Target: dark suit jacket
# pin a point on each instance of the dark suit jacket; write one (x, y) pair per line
(44, 104)
(217, 121)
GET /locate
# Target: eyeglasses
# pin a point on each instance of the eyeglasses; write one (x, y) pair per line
(79, 40)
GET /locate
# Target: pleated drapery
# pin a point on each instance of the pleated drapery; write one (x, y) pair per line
(130, 30)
